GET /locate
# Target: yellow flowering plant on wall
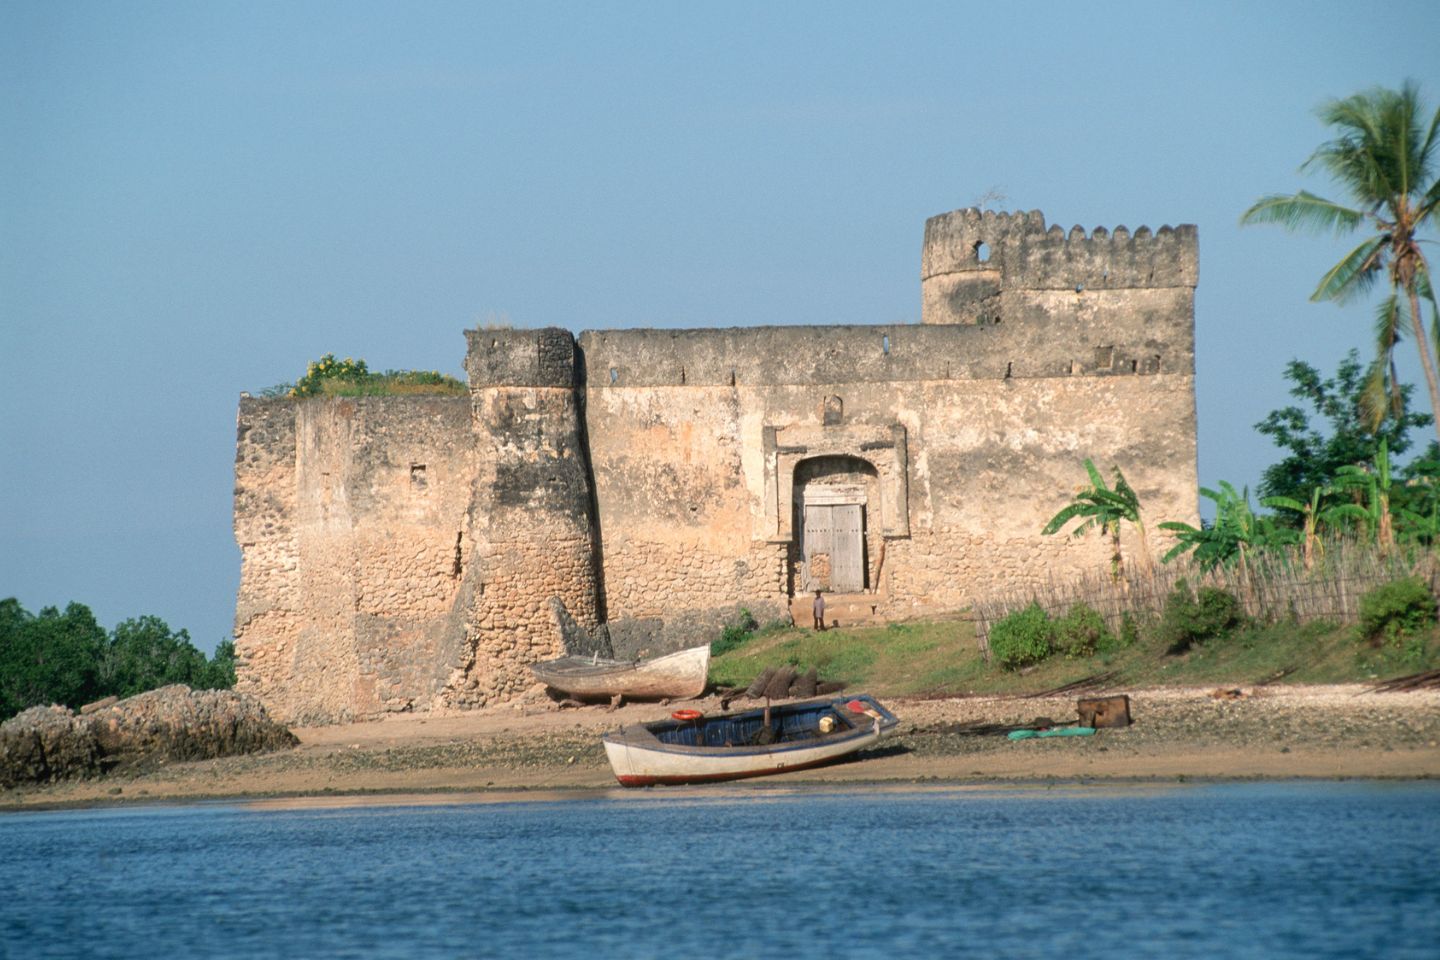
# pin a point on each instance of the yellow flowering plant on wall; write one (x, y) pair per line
(326, 369)
(352, 378)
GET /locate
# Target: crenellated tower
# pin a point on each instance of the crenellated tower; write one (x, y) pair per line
(975, 264)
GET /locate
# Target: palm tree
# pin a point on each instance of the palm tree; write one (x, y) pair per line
(1383, 156)
(1098, 506)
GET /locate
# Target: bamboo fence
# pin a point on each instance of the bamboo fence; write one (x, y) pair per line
(1271, 585)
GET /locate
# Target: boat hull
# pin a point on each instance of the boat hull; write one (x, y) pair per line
(677, 675)
(640, 758)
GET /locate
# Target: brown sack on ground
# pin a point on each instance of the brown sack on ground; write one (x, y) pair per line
(757, 689)
(779, 686)
(804, 686)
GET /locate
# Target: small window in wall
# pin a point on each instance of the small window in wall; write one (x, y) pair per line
(417, 476)
(885, 344)
(982, 252)
(834, 411)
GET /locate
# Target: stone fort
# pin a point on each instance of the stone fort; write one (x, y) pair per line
(401, 553)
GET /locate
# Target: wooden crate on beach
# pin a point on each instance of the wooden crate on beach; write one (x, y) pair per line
(1104, 711)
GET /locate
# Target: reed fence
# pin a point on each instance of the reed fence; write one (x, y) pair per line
(1271, 584)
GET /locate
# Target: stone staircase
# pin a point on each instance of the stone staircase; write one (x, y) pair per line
(841, 609)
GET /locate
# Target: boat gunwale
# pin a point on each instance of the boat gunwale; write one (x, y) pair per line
(642, 736)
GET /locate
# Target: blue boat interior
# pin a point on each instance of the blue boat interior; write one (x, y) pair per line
(789, 723)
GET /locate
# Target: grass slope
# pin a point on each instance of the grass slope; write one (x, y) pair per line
(942, 658)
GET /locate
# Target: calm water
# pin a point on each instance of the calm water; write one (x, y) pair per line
(1255, 870)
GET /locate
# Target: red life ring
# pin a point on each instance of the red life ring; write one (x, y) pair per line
(687, 715)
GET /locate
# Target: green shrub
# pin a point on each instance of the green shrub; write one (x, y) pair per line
(735, 633)
(1396, 609)
(1193, 618)
(352, 378)
(1081, 633)
(1128, 637)
(1022, 638)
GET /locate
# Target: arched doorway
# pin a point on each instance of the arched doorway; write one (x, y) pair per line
(836, 502)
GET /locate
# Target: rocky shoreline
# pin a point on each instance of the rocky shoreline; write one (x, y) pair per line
(171, 724)
(1332, 732)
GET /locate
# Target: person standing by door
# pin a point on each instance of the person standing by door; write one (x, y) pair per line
(819, 611)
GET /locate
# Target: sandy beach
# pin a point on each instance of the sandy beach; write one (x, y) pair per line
(1325, 732)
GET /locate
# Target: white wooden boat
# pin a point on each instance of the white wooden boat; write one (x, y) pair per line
(675, 675)
(693, 748)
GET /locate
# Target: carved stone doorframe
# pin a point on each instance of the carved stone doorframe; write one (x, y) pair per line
(884, 448)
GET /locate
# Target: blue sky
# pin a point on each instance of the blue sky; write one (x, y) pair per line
(198, 198)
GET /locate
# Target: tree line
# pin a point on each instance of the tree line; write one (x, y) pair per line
(67, 657)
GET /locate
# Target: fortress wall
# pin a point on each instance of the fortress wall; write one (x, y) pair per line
(992, 463)
(532, 535)
(398, 553)
(675, 510)
(368, 621)
(991, 457)
(271, 583)
(1054, 333)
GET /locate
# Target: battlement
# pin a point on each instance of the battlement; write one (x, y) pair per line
(520, 358)
(971, 259)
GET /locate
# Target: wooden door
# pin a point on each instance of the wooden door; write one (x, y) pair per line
(816, 542)
(847, 563)
(834, 547)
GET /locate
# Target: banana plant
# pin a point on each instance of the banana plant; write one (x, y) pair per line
(1310, 513)
(1099, 507)
(1371, 489)
(1418, 511)
(1236, 532)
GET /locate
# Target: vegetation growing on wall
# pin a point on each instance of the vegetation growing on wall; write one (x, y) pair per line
(329, 377)
(66, 657)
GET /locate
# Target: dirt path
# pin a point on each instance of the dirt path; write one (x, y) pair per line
(1282, 732)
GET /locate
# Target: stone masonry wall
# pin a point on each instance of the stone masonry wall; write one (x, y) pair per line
(398, 553)
(532, 535)
(351, 516)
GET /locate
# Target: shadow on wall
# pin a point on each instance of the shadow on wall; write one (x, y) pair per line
(634, 638)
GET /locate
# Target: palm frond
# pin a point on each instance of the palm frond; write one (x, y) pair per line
(1428, 145)
(1355, 273)
(1365, 155)
(1382, 394)
(1430, 203)
(1303, 211)
(1378, 396)
(1179, 549)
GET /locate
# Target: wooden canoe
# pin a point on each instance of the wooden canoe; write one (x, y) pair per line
(676, 675)
(728, 746)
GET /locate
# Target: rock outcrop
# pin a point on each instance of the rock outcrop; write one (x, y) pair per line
(175, 723)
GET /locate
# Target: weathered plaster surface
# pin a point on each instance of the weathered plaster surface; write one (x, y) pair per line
(650, 478)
